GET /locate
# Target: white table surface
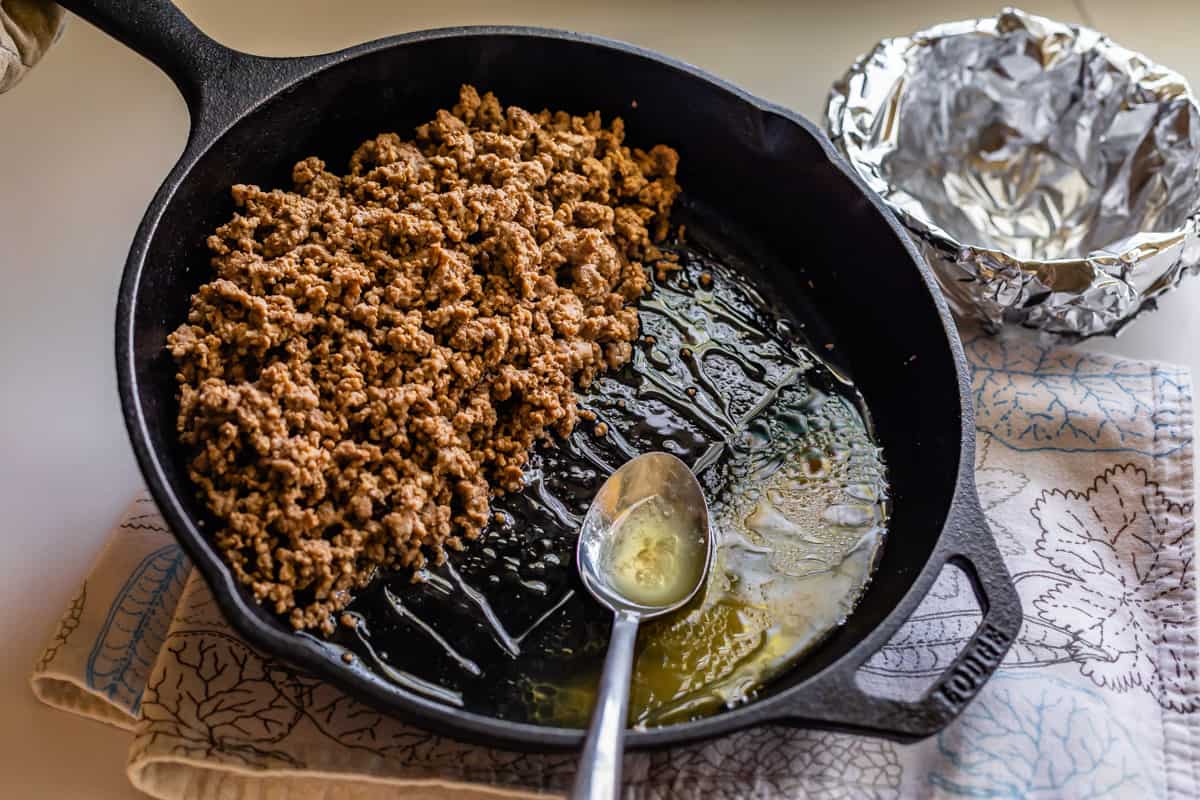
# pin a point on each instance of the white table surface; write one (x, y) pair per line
(84, 142)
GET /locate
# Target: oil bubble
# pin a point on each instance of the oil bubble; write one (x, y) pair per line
(849, 516)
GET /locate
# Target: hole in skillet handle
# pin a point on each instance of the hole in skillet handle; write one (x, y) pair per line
(917, 654)
(218, 84)
(836, 700)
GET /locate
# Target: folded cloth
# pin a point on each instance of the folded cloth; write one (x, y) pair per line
(27, 29)
(1085, 471)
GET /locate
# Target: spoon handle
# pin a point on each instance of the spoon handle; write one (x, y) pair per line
(599, 775)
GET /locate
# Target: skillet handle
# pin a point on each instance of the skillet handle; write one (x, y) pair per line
(837, 699)
(217, 82)
(158, 30)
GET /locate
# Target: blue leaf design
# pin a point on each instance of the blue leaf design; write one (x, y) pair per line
(136, 626)
(1032, 398)
(1038, 736)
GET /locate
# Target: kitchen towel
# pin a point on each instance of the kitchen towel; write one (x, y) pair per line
(1084, 467)
(27, 30)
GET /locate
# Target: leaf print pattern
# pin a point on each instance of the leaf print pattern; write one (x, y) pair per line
(1038, 737)
(1119, 599)
(1032, 398)
(1123, 551)
(770, 762)
(927, 648)
(943, 624)
(997, 486)
(229, 708)
(136, 625)
(66, 626)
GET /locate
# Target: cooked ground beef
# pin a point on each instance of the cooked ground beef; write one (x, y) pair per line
(378, 351)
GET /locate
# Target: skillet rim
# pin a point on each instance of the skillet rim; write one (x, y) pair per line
(227, 111)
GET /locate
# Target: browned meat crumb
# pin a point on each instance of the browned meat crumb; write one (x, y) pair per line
(601, 429)
(379, 350)
(665, 266)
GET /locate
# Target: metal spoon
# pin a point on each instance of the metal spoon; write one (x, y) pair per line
(652, 494)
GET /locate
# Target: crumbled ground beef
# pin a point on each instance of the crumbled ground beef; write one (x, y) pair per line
(378, 351)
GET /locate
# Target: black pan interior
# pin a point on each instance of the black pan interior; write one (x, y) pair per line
(831, 257)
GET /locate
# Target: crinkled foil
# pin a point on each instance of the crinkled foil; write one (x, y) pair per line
(1051, 177)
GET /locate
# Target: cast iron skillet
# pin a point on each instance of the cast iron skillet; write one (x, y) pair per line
(768, 172)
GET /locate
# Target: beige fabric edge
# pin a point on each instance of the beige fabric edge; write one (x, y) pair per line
(1181, 732)
(173, 777)
(66, 693)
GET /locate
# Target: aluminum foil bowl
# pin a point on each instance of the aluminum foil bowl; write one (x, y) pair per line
(1051, 177)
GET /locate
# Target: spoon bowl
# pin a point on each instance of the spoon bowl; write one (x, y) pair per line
(644, 550)
(654, 493)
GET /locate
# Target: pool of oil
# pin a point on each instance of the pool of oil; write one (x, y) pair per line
(798, 497)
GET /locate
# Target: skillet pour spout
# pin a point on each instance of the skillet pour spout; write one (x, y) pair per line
(836, 260)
